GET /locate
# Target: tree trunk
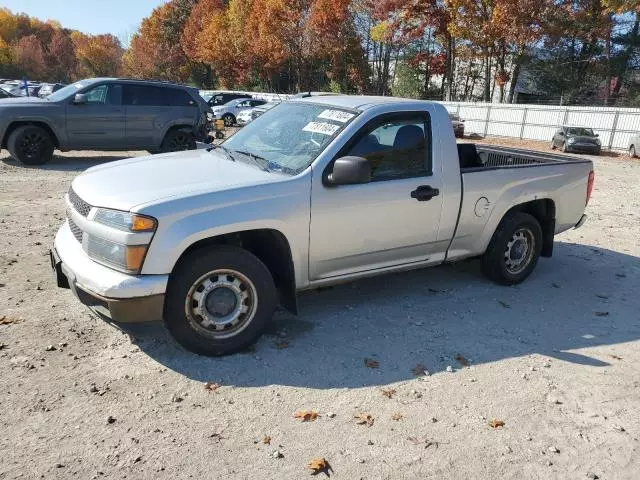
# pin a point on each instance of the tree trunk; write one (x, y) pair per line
(487, 78)
(515, 75)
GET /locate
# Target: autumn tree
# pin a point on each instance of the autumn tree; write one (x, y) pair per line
(61, 57)
(97, 55)
(29, 57)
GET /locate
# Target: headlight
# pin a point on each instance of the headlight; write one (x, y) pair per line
(126, 258)
(125, 221)
(571, 140)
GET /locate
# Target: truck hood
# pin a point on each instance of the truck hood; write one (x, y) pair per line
(125, 184)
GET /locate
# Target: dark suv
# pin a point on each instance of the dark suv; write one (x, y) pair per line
(104, 114)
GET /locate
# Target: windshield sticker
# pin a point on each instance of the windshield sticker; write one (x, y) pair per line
(78, 85)
(336, 115)
(323, 128)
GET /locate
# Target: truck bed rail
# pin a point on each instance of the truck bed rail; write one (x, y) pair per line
(480, 157)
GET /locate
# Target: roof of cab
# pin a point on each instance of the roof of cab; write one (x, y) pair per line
(357, 102)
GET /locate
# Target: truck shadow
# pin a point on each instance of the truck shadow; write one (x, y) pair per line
(583, 297)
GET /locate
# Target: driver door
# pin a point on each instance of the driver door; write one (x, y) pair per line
(387, 222)
(100, 122)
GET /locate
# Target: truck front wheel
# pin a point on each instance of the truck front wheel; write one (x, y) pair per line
(31, 145)
(219, 300)
(514, 249)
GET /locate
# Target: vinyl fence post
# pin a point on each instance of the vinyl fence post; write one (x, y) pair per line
(524, 122)
(566, 116)
(613, 128)
(486, 123)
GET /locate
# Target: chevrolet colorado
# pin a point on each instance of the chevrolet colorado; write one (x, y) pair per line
(314, 192)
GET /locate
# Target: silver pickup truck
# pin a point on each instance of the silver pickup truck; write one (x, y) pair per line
(314, 192)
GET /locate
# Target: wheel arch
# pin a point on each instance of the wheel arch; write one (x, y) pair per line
(271, 247)
(543, 210)
(22, 123)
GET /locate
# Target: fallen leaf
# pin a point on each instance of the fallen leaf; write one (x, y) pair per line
(7, 320)
(397, 417)
(388, 392)
(461, 360)
(281, 345)
(266, 440)
(555, 285)
(615, 357)
(364, 419)
(602, 314)
(213, 387)
(306, 415)
(418, 370)
(370, 363)
(425, 441)
(604, 297)
(504, 304)
(318, 465)
(4, 345)
(621, 275)
(495, 423)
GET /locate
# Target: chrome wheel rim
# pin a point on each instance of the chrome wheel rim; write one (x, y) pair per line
(221, 303)
(228, 120)
(519, 251)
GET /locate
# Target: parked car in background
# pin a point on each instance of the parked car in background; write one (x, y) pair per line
(256, 112)
(457, 124)
(6, 94)
(104, 114)
(576, 139)
(213, 240)
(49, 88)
(634, 146)
(17, 89)
(247, 116)
(222, 98)
(230, 110)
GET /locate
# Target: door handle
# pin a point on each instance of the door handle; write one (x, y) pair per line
(424, 193)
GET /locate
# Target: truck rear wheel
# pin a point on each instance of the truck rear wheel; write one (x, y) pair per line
(31, 145)
(219, 300)
(514, 249)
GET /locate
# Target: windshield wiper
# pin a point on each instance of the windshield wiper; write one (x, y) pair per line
(261, 162)
(224, 149)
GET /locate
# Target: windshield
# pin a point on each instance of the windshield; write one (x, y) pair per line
(66, 92)
(290, 136)
(583, 132)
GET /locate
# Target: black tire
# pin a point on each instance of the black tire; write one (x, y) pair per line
(632, 151)
(31, 145)
(513, 227)
(553, 145)
(204, 265)
(177, 141)
(229, 119)
(565, 148)
(219, 135)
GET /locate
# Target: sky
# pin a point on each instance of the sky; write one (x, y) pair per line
(118, 17)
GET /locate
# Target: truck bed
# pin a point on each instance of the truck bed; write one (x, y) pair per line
(478, 157)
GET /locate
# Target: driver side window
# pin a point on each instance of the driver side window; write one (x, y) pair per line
(397, 146)
(97, 95)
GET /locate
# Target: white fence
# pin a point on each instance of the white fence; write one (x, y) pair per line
(539, 122)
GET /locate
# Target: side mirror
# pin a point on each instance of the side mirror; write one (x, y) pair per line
(561, 134)
(462, 121)
(597, 134)
(80, 99)
(350, 170)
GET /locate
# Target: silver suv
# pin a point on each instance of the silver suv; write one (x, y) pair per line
(104, 114)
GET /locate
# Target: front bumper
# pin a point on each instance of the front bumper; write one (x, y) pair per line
(584, 148)
(118, 296)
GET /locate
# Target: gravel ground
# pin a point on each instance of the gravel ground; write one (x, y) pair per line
(556, 359)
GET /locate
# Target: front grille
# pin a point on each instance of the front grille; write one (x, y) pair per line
(75, 230)
(80, 205)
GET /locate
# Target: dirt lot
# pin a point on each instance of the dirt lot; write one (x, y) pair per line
(556, 359)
